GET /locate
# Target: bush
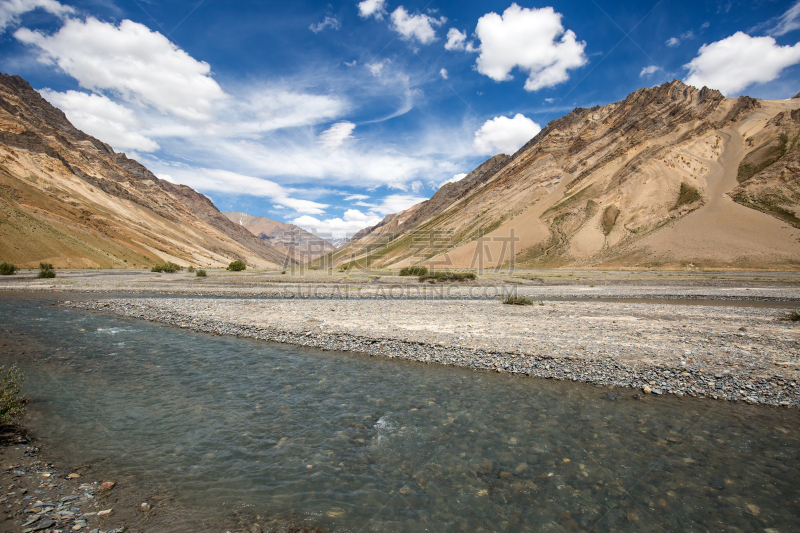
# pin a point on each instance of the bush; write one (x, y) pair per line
(794, 316)
(12, 404)
(201, 273)
(167, 267)
(7, 269)
(414, 271)
(190, 269)
(513, 299)
(449, 276)
(236, 266)
(46, 270)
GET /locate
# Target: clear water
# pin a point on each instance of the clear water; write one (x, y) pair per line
(352, 443)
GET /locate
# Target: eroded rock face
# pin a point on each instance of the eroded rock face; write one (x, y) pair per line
(69, 199)
(607, 186)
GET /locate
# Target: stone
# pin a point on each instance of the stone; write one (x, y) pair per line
(145, 507)
(107, 485)
(646, 389)
(74, 476)
(105, 513)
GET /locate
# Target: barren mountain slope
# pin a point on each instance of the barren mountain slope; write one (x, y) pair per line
(639, 183)
(66, 198)
(287, 238)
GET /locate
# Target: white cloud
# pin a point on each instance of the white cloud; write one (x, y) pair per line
(647, 71)
(356, 197)
(329, 22)
(455, 39)
(787, 22)
(139, 64)
(549, 100)
(275, 206)
(506, 135)
(207, 179)
(739, 61)
(372, 8)
(457, 177)
(443, 73)
(11, 10)
(672, 42)
(351, 222)
(533, 40)
(336, 135)
(417, 186)
(418, 26)
(98, 116)
(280, 107)
(377, 68)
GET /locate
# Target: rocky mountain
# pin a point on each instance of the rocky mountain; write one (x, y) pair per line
(67, 198)
(289, 239)
(671, 176)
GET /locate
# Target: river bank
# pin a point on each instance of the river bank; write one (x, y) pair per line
(727, 353)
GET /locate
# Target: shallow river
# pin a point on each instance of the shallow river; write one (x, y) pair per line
(352, 443)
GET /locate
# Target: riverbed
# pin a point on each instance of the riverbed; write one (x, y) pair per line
(223, 425)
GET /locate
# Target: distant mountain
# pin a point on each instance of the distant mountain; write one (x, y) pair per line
(338, 242)
(67, 198)
(287, 238)
(672, 176)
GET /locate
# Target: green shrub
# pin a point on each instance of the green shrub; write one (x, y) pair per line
(7, 269)
(12, 404)
(513, 299)
(46, 270)
(794, 316)
(201, 273)
(449, 276)
(414, 271)
(167, 267)
(190, 269)
(236, 266)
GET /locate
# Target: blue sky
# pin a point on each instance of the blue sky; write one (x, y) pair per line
(334, 114)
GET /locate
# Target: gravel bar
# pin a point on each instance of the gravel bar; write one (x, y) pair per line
(727, 353)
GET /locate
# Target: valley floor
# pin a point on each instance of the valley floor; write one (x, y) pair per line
(717, 335)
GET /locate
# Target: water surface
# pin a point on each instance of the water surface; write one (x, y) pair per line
(353, 443)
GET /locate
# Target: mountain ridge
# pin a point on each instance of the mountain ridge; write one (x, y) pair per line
(592, 185)
(67, 198)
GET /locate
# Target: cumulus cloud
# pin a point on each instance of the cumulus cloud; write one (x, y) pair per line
(533, 40)
(739, 61)
(129, 59)
(787, 22)
(329, 22)
(648, 71)
(455, 39)
(443, 73)
(98, 116)
(348, 225)
(457, 177)
(11, 10)
(503, 134)
(418, 26)
(336, 136)
(372, 8)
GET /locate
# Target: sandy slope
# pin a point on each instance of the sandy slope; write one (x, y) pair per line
(723, 233)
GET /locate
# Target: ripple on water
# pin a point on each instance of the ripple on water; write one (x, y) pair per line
(351, 442)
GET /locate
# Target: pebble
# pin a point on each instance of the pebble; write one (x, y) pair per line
(687, 363)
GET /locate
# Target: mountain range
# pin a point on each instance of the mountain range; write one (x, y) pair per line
(68, 199)
(671, 176)
(289, 239)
